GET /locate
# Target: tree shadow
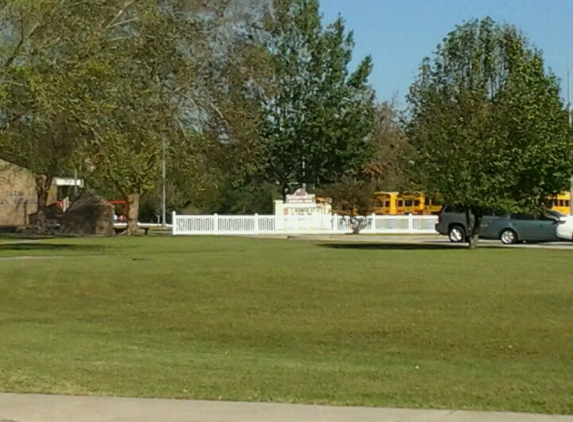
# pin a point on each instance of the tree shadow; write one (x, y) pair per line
(395, 246)
(32, 246)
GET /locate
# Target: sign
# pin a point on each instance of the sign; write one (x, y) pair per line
(301, 197)
(69, 181)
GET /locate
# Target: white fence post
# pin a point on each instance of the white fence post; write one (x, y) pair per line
(410, 223)
(215, 223)
(256, 224)
(174, 223)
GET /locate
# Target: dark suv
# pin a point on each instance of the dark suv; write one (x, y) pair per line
(452, 222)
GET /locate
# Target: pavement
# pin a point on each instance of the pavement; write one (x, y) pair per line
(429, 241)
(52, 408)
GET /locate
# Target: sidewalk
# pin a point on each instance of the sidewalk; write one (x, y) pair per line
(40, 408)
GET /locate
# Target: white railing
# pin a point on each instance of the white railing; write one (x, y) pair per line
(308, 224)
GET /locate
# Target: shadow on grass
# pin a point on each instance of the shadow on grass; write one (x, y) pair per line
(31, 246)
(395, 246)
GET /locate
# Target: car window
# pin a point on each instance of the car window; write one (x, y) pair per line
(523, 216)
(554, 214)
(453, 209)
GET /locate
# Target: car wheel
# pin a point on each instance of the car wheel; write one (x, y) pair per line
(456, 234)
(508, 237)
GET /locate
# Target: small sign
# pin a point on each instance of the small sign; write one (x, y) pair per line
(69, 181)
(300, 196)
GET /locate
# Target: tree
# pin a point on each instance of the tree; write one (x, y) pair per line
(37, 130)
(319, 115)
(389, 142)
(350, 196)
(487, 124)
(142, 77)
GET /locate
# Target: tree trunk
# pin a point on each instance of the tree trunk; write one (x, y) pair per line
(284, 190)
(43, 185)
(473, 229)
(132, 214)
(473, 241)
(42, 206)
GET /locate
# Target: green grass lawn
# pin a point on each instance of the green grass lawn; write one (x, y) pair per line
(289, 321)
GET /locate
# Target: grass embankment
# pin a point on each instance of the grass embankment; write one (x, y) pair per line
(292, 321)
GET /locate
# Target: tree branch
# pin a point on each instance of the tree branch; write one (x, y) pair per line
(118, 15)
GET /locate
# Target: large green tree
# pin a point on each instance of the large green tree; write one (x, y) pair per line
(143, 76)
(39, 90)
(112, 86)
(320, 114)
(487, 124)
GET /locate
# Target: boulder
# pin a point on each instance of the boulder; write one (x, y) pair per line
(90, 214)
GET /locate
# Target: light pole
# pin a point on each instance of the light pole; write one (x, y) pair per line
(163, 193)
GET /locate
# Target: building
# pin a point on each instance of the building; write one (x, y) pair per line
(18, 199)
(18, 196)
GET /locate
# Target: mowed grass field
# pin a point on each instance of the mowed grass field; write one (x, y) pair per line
(289, 321)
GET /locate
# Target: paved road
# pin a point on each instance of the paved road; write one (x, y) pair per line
(426, 240)
(40, 408)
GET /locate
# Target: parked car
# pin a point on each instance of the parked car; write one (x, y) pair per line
(452, 223)
(509, 228)
(513, 228)
(565, 229)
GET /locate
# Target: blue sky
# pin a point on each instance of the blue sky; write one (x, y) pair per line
(399, 33)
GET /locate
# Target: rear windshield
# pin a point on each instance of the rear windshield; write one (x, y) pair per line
(454, 209)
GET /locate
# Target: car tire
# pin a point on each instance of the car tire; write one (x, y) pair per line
(508, 237)
(456, 234)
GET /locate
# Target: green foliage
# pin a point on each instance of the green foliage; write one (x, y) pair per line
(249, 199)
(350, 196)
(385, 166)
(486, 122)
(320, 114)
(39, 91)
(107, 87)
(133, 111)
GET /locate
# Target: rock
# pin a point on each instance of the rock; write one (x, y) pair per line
(90, 214)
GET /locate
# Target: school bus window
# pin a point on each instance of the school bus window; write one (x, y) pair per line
(417, 203)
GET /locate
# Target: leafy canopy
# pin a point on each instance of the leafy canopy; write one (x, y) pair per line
(321, 115)
(486, 122)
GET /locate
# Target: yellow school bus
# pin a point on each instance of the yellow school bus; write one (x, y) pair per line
(410, 203)
(561, 203)
(432, 206)
(396, 203)
(384, 203)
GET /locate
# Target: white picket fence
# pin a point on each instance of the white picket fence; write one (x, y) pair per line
(315, 224)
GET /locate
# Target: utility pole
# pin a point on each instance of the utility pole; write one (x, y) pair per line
(569, 117)
(163, 194)
(75, 184)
